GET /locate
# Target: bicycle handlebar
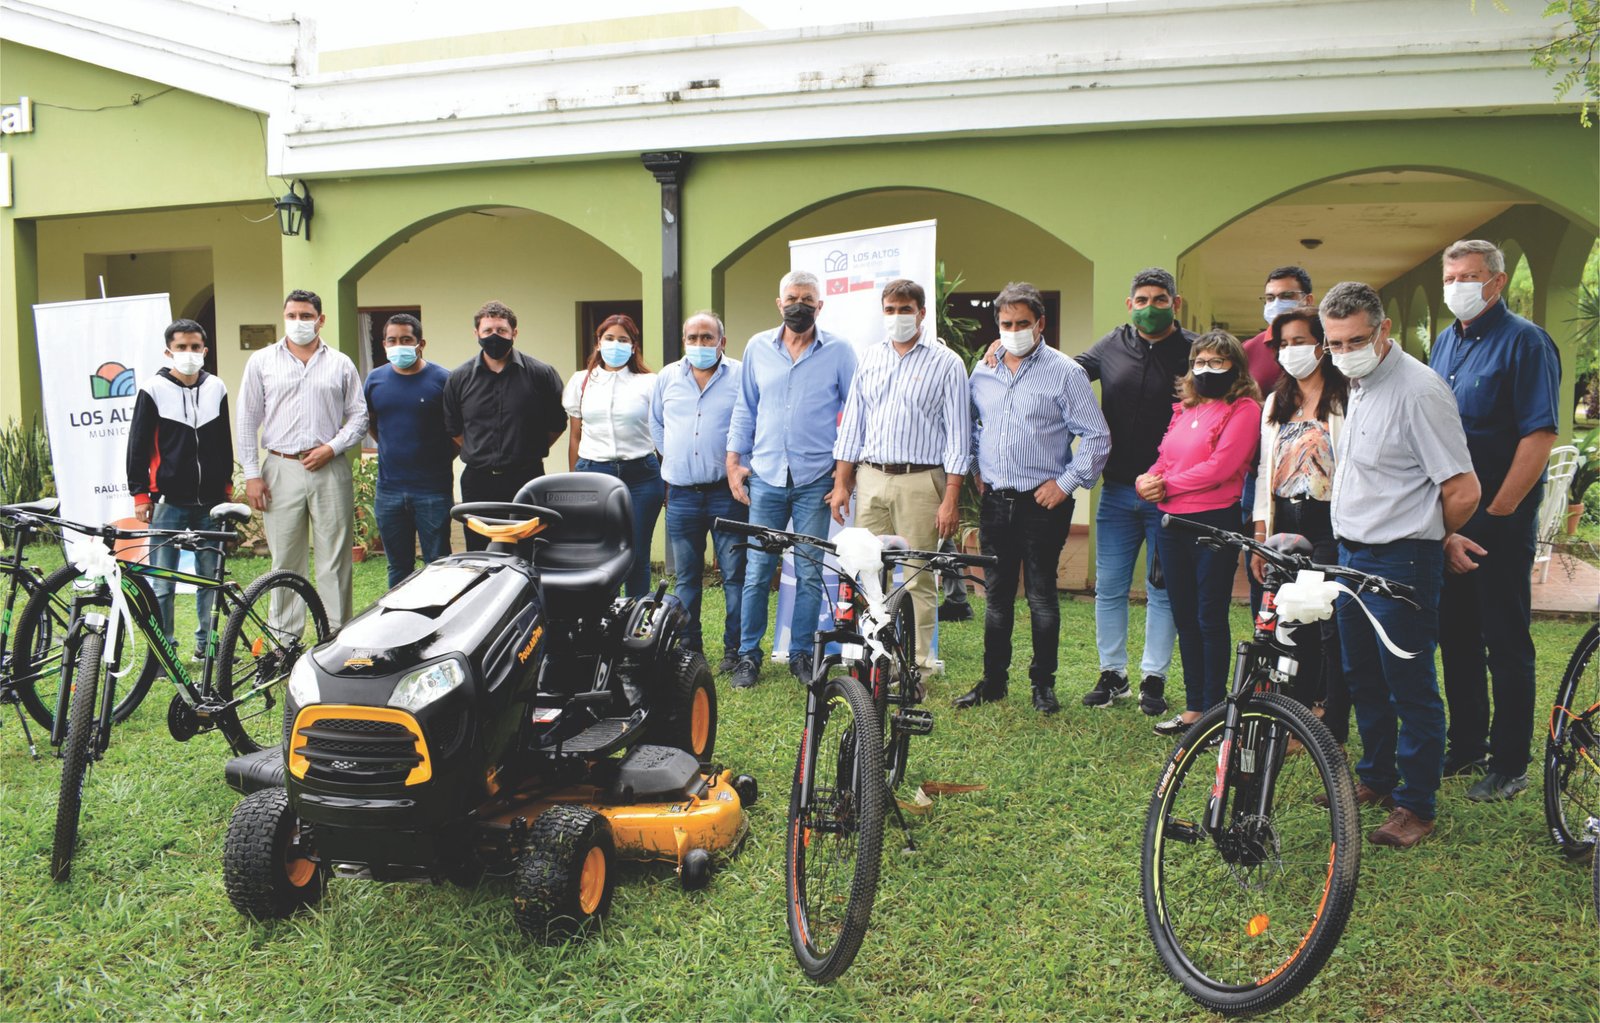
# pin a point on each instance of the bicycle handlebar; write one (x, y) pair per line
(775, 540)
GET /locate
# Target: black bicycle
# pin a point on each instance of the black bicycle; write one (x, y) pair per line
(853, 746)
(22, 525)
(1250, 859)
(1572, 758)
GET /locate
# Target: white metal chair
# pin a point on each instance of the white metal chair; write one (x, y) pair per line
(1564, 462)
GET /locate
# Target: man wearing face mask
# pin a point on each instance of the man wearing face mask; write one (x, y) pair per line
(503, 408)
(405, 409)
(1506, 376)
(304, 399)
(689, 414)
(1403, 483)
(180, 462)
(1027, 410)
(792, 387)
(903, 440)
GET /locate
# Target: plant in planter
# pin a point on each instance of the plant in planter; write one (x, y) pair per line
(25, 472)
(252, 534)
(364, 477)
(1582, 478)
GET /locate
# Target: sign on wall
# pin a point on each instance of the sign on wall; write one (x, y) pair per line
(93, 356)
(854, 267)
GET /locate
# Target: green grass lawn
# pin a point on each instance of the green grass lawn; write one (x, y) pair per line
(1022, 901)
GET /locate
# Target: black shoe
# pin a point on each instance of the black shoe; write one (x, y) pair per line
(955, 611)
(1111, 686)
(1465, 768)
(800, 666)
(729, 661)
(1044, 699)
(983, 692)
(1152, 698)
(1174, 725)
(745, 673)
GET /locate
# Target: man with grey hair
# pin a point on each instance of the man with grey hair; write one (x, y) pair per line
(1405, 482)
(1506, 376)
(792, 386)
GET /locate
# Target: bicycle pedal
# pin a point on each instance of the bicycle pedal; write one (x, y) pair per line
(182, 721)
(908, 721)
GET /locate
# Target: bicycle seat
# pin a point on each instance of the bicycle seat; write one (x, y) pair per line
(1289, 543)
(587, 554)
(47, 506)
(232, 511)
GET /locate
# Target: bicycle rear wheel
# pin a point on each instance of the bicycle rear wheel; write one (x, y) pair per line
(77, 751)
(1571, 759)
(255, 659)
(835, 838)
(1244, 921)
(36, 652)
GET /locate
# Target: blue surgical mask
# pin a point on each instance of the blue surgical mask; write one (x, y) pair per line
(401, 356)
(701, 356)
(615, 353)
(1277, 307)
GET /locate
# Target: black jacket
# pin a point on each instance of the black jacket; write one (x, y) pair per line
(180, 444)
(1138, 384)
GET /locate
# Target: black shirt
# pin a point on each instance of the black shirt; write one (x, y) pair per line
(504, 419)
(1138, 384)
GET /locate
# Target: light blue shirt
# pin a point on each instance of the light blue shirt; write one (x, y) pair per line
(1024, 423)
(787, 416)
(910, 408)
(690, 425)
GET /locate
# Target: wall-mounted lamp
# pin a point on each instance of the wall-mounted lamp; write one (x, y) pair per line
(294, 210)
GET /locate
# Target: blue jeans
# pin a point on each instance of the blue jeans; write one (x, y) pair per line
(774, 507)
(406, 517)
(183, 516)
(689, 516)
(1406, 761)
(1123, 522)
(1200, 585)
(643, 477)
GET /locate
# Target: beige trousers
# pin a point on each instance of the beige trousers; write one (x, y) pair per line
(319, 507)
(906, 506)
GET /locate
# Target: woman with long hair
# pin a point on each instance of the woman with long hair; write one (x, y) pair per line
(608, 406)
(1199, 475)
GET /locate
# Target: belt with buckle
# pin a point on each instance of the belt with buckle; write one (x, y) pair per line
(899, 468)
(292, 458)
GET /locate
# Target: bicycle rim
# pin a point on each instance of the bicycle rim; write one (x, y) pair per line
(1244, 922)
(835, 840)
(1572, 767)
(256, 659)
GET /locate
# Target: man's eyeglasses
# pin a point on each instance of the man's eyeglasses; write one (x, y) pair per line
(1293, 296)
(1346, 347)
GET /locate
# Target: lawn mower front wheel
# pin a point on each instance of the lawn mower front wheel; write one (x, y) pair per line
(565, 876)
(265, 869)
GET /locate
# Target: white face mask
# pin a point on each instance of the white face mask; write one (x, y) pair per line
(188, 363)
(1300, 361)
(1277, 307)
(1018, 342)
(1358, 363)
(1465, 299)
(301, 332)
(900, 327)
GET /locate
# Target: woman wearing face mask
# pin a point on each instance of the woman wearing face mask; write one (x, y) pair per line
(1199, 475)
(1300, 424)
(608, 405)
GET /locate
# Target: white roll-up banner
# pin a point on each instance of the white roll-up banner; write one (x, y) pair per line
(93, 356)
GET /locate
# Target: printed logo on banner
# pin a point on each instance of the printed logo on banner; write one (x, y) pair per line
(112, 380)
(836, 261)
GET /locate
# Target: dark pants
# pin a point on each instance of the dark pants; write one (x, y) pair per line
(690, 513)
(1247, 519)
(1407, 759)
(1200, 588)
(643, 477)
(493, 485)
(1483, 634)
(1017, 531)
(1321, 676)
(406, 516)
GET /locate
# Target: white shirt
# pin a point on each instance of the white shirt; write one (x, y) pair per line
(615, 412)
(297, 405)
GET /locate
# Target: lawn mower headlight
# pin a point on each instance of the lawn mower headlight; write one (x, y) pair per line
(303, 689)
(426, 685)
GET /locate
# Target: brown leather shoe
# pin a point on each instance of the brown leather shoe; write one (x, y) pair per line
(1402, 830)
(1364, 797)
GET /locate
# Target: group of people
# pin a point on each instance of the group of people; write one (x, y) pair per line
(1320, 425)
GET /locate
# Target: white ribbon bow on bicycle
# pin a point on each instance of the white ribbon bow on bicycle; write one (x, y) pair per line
(860, 554)
(91, 558)
(1310, 599)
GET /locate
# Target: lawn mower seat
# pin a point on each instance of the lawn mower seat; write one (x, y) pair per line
(588, 553)
(262, 769)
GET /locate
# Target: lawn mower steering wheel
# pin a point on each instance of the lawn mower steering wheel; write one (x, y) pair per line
(504, 513)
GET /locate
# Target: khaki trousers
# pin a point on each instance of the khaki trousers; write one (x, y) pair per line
(319, 507)
(906, 506)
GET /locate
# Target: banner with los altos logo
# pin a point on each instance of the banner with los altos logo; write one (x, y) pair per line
(93, 356)
(854, 267)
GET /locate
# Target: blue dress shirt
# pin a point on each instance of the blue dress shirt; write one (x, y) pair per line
(787, 416)
(690, 426)
(1024, 423)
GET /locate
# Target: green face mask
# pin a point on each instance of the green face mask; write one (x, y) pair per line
(1152, 319)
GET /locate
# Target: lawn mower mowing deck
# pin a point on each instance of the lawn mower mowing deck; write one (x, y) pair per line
(500, 712)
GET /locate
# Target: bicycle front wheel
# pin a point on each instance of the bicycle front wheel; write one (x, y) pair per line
(77, 750)
(1571, 763)
(902, 665)
(255, 659)
(835, 836)
(1245, 919)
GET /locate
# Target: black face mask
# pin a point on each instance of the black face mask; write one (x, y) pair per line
(495, 346)
(799, 317)
(1214, 385)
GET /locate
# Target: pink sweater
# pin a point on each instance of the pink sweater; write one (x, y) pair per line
(1206, 453)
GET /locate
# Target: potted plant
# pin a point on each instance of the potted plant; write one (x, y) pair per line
(1583, 478)
(364, 479)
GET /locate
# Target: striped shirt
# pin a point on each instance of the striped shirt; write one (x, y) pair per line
(297, 405)
(1024, 423)
(910, 408)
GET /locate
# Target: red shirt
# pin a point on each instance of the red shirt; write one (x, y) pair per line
(1262, 359)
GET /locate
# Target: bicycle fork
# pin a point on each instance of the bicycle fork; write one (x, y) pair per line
(1260, 746)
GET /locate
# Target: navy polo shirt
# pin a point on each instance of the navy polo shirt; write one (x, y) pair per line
(414, 451)
(1506, 375)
